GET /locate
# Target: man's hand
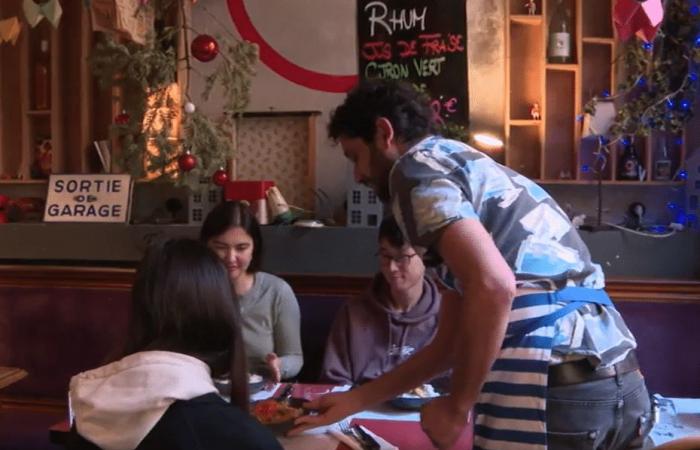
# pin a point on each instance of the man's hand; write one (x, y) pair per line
(443, 422)
(274, 366)
(331, 408)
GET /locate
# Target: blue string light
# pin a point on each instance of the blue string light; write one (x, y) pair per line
(642, 82)
(694, 10)
(585, 168)
(647, 46)
(679, 141)
(684, 104)
(683, 174)
(681, 217)
(670, 103)
(605, 93)
(693, 76)
(657, 229)
(626, 141)
(697, 41)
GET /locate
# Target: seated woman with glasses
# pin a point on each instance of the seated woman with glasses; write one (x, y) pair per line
(395, 317)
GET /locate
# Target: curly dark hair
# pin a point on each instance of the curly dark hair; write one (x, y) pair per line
(400, 102)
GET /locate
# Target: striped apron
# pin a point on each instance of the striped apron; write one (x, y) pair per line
(511, 409)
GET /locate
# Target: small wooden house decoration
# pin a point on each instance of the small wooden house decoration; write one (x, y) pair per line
(202, 200)
(692, 188)
(364, 207)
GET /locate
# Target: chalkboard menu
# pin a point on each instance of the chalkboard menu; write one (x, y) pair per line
(421, 41)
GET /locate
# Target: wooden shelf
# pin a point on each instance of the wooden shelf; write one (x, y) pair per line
(31, 181)
(562, 67)
(526, 19)
(611, 182)
(553, 147)
(524, 123)
(22, 124)
(599, 40)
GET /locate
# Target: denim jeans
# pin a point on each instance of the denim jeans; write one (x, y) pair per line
(613, 413)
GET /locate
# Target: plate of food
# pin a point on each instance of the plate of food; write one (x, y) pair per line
(278, 416)
(416, 397)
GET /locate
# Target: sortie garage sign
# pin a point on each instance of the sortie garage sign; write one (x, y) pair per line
(88, 198)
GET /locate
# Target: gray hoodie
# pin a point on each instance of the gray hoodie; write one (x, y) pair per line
(368, 338)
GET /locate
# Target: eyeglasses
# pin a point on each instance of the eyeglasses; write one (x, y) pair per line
(400, 260)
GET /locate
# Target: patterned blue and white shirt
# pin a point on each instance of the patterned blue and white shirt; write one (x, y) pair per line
(440, 181)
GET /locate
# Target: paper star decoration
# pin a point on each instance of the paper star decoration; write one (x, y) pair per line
(50, 10)
(640, 17)
(9, 30)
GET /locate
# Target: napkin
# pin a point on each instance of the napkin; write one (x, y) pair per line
(334, 430)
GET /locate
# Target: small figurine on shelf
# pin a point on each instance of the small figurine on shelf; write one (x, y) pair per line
(41, 166)
(535, 111)
(565, 174)
(531, 7)
(662, 162)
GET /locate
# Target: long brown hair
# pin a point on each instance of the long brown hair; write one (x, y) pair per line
(182, 302)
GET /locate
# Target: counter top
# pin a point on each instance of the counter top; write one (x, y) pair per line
(329, 250)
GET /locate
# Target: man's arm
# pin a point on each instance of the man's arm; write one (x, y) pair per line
(488, 285)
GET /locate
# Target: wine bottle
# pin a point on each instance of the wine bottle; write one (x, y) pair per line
(559, 49)
(630, 164)
(662, 163)
(42, 81)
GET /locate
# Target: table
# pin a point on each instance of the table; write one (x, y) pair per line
(9, 375)
(400, 428)
(678, 418)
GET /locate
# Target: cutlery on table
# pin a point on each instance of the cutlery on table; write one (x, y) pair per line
(364, 439)
(285, 393)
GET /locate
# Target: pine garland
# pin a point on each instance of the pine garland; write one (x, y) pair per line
(143, 75)
(138, 71)
(659, 90)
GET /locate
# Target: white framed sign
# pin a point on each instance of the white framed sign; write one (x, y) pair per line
(88, 198)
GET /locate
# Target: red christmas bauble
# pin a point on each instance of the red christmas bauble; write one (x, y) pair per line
(122, 119)
(186, 162)
(220, 177)
(204, 48)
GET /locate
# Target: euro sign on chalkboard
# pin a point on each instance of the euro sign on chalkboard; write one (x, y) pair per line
(420, 41)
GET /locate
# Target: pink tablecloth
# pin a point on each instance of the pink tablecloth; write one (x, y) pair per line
(409, 435)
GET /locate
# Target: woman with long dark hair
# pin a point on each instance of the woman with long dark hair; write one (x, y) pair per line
(184, 330)
(269, 309)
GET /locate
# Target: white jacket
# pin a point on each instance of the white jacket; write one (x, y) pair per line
(116, 406)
